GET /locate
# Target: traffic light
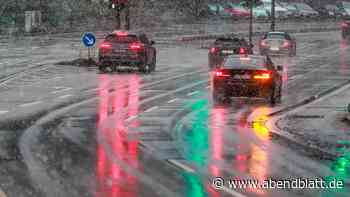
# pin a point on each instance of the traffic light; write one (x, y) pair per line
(246, 3)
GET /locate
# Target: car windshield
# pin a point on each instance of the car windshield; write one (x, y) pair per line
(172, 98)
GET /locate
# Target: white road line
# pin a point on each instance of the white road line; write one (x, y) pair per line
(151, 109)
(59, 91)
(232, 192)
(173, 100)
(131, 118)
(93, 90)
(3, 112)
(180, 165)
(65, 96)
(190, 170)
(192, 93)
(31, 104)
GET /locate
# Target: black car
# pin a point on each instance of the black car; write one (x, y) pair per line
(345, 28)
(277, 43)
(127, 49)
(247, 76)
(225, 46)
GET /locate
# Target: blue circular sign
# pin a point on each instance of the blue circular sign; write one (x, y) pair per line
(89, 39)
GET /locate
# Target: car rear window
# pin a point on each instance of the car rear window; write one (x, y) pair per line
(122, 39)
(276, 36)
(229, 41)
(245, 62)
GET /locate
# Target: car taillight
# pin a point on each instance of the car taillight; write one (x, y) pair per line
(213, 50)
(262, 76)
(286, 44)
(136, 46)
(105, 47)
(263, 43)
(242, 51)
(221, 74)
(344, 24)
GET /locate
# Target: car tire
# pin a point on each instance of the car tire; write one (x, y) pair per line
(272, 97)
(102, 67)
(154, 64)
(145, 68)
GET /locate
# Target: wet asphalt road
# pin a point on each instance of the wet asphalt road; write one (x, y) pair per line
(129, 134)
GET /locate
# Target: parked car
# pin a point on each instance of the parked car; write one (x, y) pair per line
(292, 11)
(280, 12)
(236, 10)
(305, 10)
(344, 7)
(218, 10)
(260, 12)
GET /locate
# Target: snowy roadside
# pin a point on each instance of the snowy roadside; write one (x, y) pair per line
(321, 124)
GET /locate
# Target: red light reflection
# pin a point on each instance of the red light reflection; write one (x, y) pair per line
(112, 180)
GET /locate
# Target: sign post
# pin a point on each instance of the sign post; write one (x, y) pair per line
(89, 41)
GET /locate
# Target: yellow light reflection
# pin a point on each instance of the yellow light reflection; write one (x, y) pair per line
(258, 124)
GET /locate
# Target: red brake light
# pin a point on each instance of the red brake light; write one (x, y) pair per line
(221, 74)
(263, 43)
(242, 51)
(135, 46)
(262, 76)
(213, 50)
(285, 44)
(344, 24)
(106, 45)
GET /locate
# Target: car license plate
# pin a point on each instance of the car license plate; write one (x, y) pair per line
(118, 51)
(227, 51)
(241, 76)
(275, 49)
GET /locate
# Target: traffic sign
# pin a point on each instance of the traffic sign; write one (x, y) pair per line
(88, 39)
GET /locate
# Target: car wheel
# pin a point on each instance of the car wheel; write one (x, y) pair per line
(272, 97)
(154, 63)
(145, 68)
(104, 67)
(279, 95)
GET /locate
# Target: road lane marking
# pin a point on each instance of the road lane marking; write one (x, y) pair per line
(59, 91)
(93, 90)
(192, 93)
(151, 109)
(65, 96)
(173, 100)
(180, 165)
(190, 170)
(131, 118)
(31, 104)
(3, 112)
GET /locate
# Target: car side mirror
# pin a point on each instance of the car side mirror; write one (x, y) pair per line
(152, 42)
(279, 68)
